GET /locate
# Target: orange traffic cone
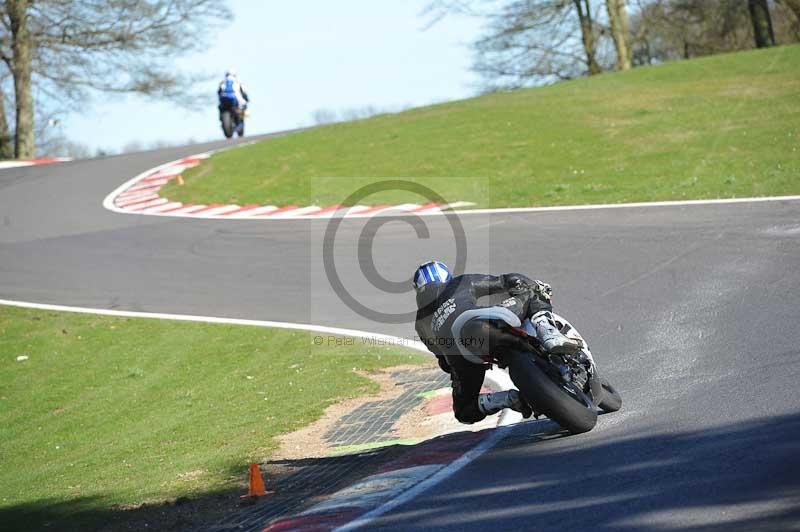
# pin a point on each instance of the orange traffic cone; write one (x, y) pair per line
(256, 488)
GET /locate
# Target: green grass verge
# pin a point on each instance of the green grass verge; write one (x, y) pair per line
(722, 126)
(112, 412)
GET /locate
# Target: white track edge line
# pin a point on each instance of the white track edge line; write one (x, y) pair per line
(668, 203)
(396, 340)
(591, 207)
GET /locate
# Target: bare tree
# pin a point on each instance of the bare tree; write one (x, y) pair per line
(530, 41)
(324, 116)
(584, 11)
(359, 113)
(666, 30)
(349, 114)
(132, 147)
(74, 48)
(55, 144)
(6, 142)
(786, 21)
(762, 23)
(794, 5)
(19, 63)
(618, 20)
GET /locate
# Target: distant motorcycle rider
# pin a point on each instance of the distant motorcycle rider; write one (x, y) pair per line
(449, 319)
(232, 95)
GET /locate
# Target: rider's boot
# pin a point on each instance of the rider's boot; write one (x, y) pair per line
(550, 337)
(492, 403)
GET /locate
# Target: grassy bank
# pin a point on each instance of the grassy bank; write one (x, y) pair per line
(109, 413)
(722, 126)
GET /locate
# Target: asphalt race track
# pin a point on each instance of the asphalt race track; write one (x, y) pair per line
(692, 311)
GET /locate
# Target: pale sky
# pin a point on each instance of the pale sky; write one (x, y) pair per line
(297, 57)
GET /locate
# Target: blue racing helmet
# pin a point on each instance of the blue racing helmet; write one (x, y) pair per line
(431, 272)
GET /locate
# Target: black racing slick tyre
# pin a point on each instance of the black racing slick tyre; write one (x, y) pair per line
(568, 407)
(227, 123)
(611, 401)
(240, 129)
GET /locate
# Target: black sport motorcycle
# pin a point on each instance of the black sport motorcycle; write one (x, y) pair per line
(566, 388)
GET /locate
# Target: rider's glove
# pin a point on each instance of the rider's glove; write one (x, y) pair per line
(517, 283)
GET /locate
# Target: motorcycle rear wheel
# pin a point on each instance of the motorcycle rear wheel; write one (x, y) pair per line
(561, 402)
(227, 123)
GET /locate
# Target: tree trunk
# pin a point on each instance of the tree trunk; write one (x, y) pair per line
(762, 23)
(21, 49)
(587, 33)
(6, 145)
(618, 17)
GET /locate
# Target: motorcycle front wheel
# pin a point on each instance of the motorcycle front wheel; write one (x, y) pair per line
(562, 402)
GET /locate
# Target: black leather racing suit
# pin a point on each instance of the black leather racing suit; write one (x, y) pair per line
(439, 306)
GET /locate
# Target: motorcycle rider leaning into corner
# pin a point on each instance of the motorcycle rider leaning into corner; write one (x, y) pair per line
(449, 319)
(232, 92)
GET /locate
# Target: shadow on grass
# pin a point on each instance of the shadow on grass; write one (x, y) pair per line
(749, 473)
(92, 513)
(294, 485)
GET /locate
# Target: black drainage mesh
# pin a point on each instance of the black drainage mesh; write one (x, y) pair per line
(372, 423)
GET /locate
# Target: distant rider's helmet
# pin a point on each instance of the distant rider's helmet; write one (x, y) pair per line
(432, 272)
(230, 72)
